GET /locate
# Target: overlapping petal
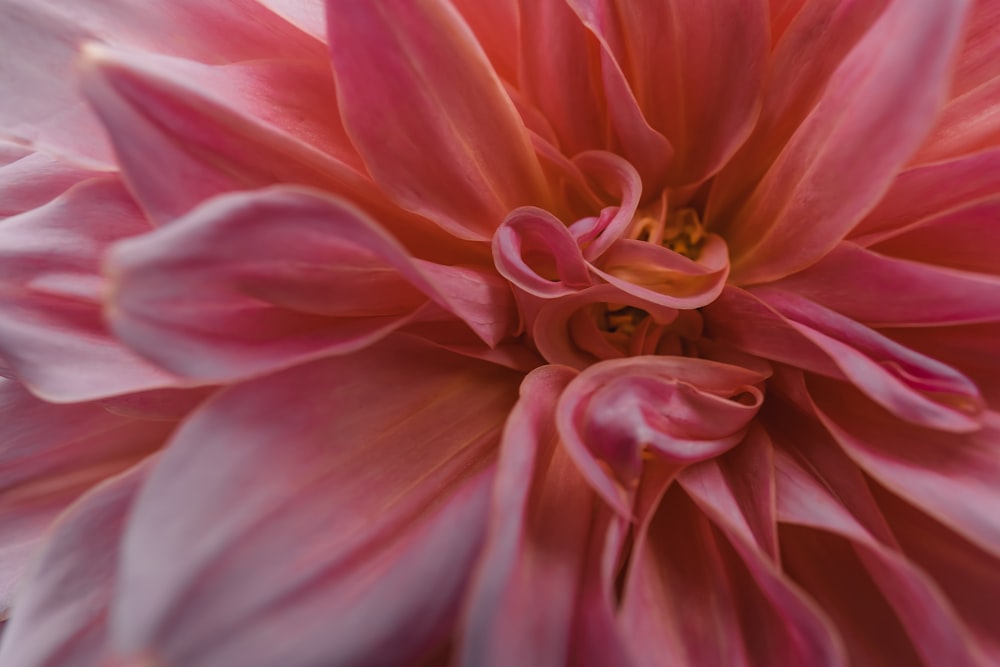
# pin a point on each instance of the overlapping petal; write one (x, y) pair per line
(365, 503)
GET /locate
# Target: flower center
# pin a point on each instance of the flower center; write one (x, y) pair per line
(680, 230)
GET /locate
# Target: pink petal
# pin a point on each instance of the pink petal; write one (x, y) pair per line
(429, 115)
(540, 571)
(696, 596)
(931, 191)
(51, 330)
(883, 291)
(61, 614)
(811, 37)
(682, 410)
(872, 115)
(929, 622)
(536, 252)
(497, 29)
(616, 176)
(696, 71)
(561, 74)
(43, 106)
(953, 477)
(371, 490)
(250, 283)
(30, 179)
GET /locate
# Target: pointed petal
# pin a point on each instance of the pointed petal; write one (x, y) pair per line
(372, 489)
(429, 115)
(250, 283)
(61, 615)
(842, 158)
(51, 330)
(44, 107)
(537, 576)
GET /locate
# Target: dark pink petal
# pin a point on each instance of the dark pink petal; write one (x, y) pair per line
(931, 191)
(540, 576)
(42, 105)
(366, 502)
(679, 409)
(696, 70)
(787, 328)
(51, 330)
(253, 282)
(882, 291)
(62, 610)
(923, 613)
(536, 252)
(953, 477)
(429, 115)
(698, 594)
(808, 51)
(836, 166)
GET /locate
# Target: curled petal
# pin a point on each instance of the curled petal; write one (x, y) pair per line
(250, 283)
(678, 409)
(429, 115)
(619, 178)
(536, 252)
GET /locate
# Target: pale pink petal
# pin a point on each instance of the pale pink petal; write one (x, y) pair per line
(645, 148)
(953, 477)
(930, 624)
(540, 570)
(561, 74)
(51, 331)
(253, 282)
(365, 503)
(696, 596)
(40, 40)
(62, 610)
(307, 15)
(535, 252)
(29, 179)
(786, 328)
(883, 291)
(811, 37)
(931, 191)
(429, 115)
(871, 117)
(696, 70)
(681, 410)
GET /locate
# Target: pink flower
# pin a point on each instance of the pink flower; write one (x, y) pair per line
(560, 332)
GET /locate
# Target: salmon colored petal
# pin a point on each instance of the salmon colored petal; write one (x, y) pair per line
(250, 283)
(696, 69)
(931, 191)
(536, 578)
(953, 477)
(429, 115)
(616, 176)
(679, 409)
(51, 331)
(561, 74)
(789, 329)
(371, 491)
(44, 107)
(536, 252)
(62, 610)
(812, 37)
(884, 291)
(695, 596)
(497, 28)
(843, 156)
(930, 624)
(644, 147)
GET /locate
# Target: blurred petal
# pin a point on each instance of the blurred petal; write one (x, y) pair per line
(429, 115)
(540, 577)
(30, 179)
(372, 489)
(251, 283)
(872, 116)
(51, 329)
(61, 615)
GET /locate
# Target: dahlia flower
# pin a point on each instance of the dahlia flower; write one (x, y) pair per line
(486, 332)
